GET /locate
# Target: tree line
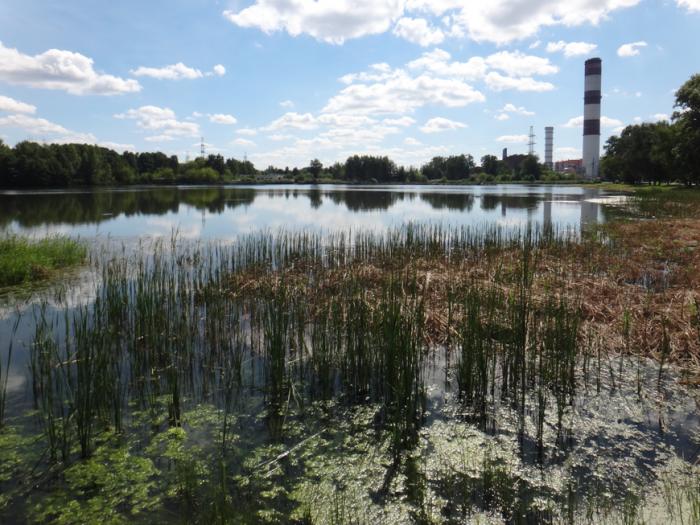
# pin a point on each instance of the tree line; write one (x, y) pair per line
(33, 165)
(660, 152)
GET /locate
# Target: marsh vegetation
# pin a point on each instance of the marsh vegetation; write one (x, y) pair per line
(425, 374)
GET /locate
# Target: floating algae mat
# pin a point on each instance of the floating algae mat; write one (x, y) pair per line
(425, 375)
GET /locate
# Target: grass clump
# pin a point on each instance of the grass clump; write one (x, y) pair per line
(23, 260)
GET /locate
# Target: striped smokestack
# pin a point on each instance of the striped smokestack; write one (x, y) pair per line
(548, 146)
(591, 118)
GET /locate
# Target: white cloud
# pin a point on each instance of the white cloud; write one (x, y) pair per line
(244, 142)
(571, 49)
(177, 71)
(690, 5)
(497, 21)
(631, 49)
(605, 122)
(11, 105)
(278, 137)
(519, 64)
(117, 146)
(219, 70)
(438, 124)
(498, 82)
(402, 93)
(502, 21)
(438, 62)
(222, 118)
(41, 129)
(658, 117)
(410, 141)
(288, 104)
(513, 139)
(535, 44)
(162, 121)
(403, 121)
(513, 109)
(418, 31)
(294, 120)
(61, 70)
(327, 20)
(247, 131)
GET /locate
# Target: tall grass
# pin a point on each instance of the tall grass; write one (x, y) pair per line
(23, 260)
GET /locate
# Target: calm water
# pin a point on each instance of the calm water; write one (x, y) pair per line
(225, 212)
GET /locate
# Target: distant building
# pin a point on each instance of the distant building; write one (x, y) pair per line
(569, 166)
(505, 154)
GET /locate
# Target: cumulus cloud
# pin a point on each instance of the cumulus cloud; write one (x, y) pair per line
(244, 142)
(403, 121)
(222, 118)
(497, 21)
(401, 93)
(288, 104)
(571, 49)
(502, 21)
(327, 20)
(605, 122)
(41, 128)
(410, 141)
(294, 120)
(630, 50)
(177, 71)
(501, 71)
(513, 139)
(498, 82)
(418, 31)
(162, 121)
(438, 124)
(61, 70)
(690, 5)
(503, 113)
(247, 131)
(11, 105)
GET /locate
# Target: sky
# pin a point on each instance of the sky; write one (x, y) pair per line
(286, 81)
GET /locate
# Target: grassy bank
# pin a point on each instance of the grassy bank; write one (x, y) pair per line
(24, 260)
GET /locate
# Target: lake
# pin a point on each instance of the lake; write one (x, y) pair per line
(223, 212)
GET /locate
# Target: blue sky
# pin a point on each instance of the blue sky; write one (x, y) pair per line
(285, 81)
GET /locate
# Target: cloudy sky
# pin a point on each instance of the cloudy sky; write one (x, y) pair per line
(284, 81)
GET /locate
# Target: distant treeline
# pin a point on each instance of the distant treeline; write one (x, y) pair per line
(32, 165)
(662, 151)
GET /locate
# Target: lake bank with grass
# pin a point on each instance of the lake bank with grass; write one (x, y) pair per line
(504, 372)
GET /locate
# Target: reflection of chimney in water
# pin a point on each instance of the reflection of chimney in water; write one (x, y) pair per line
(547, 215)
(589, 210)
(503, 208)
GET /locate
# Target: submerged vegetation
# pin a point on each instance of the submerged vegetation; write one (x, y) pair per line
(24, 260)
(427, 374)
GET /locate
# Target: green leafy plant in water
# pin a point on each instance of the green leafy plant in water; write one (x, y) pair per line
(113, 487)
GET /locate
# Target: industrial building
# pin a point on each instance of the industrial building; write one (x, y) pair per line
(549, 147)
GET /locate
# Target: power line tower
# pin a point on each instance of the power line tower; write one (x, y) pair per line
(531, 143)
(203, 151)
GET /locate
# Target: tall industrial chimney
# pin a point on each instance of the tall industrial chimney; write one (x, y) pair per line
(591, 118)
(548, 146)
(505, 154)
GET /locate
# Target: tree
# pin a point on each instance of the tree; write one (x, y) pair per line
(687, 122)
(530, 168)
(490, 164)
(315, 168)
